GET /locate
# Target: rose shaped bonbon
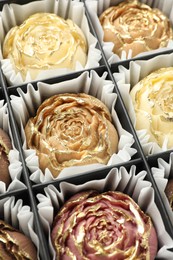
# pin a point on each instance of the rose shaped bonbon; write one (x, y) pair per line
(5, 147)
(45, 41)
(135, 26)
(14, 244)
(71, 129)
(110, 225)
(153, 102)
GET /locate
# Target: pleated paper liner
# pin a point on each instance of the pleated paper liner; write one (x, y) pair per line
(127, 75)
(11, 16)
(132, 182)
(90, 83)
(96, 7)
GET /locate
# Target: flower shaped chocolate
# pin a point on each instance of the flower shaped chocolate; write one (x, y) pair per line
(92, 226)
(132, 25)
(153, 102)
(45, 41)
(15, 245)
(71, 129)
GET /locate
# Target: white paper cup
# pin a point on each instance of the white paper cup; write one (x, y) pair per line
(166, 6)
(25, 106)
(14, 14)
(127, 78)
(117, 180)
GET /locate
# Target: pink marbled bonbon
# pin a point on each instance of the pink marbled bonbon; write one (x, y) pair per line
(105, 226)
